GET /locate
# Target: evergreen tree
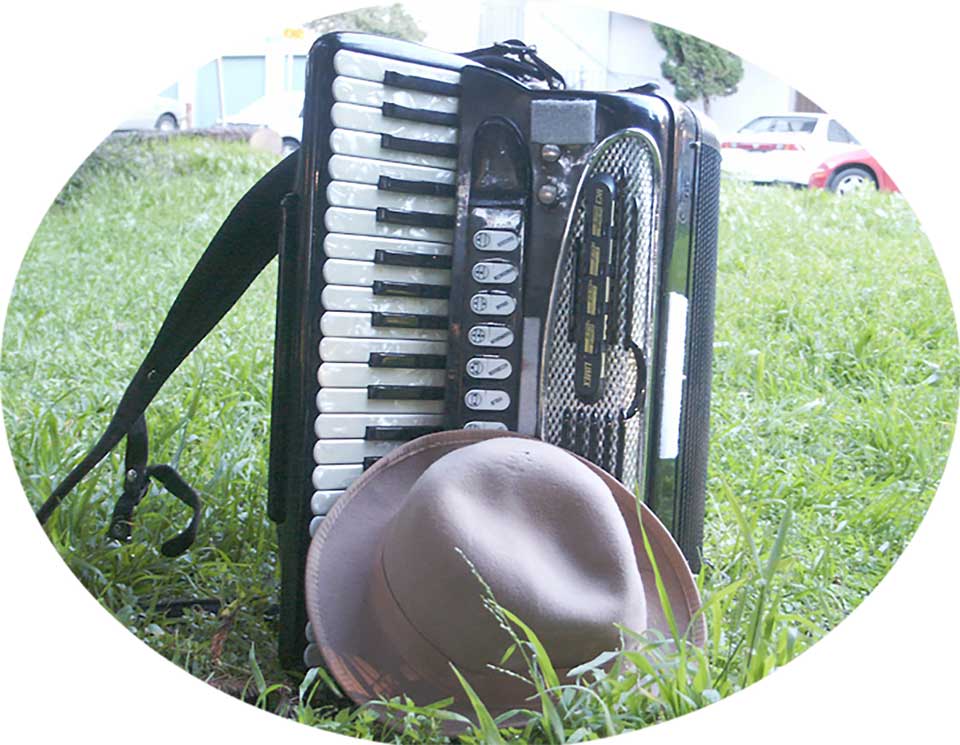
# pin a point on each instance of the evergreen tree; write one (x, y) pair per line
(385, 20)
(697, 68)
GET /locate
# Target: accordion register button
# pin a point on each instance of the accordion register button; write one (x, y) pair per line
(308, 632)
(489, 368)
(495, 240)
(314, 524)
(480, 399)
(494, 272)
(490, 304)
(490, 335)
(486, 425)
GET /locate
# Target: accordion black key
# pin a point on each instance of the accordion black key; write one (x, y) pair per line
(467, 248)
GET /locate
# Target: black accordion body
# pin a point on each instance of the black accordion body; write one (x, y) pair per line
(464, 250)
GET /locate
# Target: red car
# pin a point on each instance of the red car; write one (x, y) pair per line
(848, 171)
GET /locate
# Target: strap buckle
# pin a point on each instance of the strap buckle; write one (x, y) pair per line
(136, 486)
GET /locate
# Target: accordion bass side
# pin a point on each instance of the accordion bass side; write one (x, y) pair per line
(465, 250)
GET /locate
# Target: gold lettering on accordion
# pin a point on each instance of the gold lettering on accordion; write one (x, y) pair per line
(589, 337)
(594, 266)
(592, 297)
(593, 285)
(586, 377)
(596, 224)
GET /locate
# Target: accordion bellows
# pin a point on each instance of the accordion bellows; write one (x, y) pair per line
(464, 250)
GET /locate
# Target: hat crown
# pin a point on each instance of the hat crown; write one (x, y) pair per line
(541, 529)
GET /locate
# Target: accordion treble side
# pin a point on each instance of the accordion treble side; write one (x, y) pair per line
(463, 249)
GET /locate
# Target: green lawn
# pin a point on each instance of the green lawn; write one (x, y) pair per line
(836, 377)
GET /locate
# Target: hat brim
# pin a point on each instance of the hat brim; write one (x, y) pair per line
(367, 644)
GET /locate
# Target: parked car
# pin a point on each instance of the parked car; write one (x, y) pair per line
(281, 112)
(847, 172)
(161, 112)
(785, 148)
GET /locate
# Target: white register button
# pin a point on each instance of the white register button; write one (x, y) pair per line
(486, 425)
(480, 399)
(490, 335)
(496, 240)
(489, 368)
(495, 272)
(492, 304)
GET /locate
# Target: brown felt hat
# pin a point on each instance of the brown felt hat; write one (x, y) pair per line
(393, 601)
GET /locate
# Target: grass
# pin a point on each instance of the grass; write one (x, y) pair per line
(836, 378)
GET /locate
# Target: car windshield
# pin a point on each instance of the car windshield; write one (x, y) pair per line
(781, 124)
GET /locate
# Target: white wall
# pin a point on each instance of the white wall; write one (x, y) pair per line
(758, 93)
(635, 55)
(571, 38)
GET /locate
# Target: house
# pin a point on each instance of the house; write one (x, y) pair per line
(603, 50)
(592, 48)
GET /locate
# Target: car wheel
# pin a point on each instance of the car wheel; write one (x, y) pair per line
(290, 144)
(167, 123)
(850, 179)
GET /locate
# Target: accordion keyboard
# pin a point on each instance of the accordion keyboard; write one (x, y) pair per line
(389, 233)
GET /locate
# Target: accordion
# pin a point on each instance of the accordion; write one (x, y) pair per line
(467, 247)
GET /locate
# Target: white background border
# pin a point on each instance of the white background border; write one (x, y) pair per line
(887, 674)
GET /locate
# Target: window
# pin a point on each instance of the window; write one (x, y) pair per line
(781, 124)
(295, 72)
(836, 132)
(244, 81)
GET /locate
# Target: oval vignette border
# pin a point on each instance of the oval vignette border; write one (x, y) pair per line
(77, 675)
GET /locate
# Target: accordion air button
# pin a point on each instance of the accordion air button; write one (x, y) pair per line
(480, 399)
(312, 657)
(484, 335)
(494, 272)
(489, 368)
(491, 304)
(486, 425)
(496, 240)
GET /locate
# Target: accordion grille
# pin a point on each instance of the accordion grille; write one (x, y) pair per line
(600, 431)
(696, 435)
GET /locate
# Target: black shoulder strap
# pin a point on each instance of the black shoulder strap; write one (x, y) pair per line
(519, 61)
(241, 248)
